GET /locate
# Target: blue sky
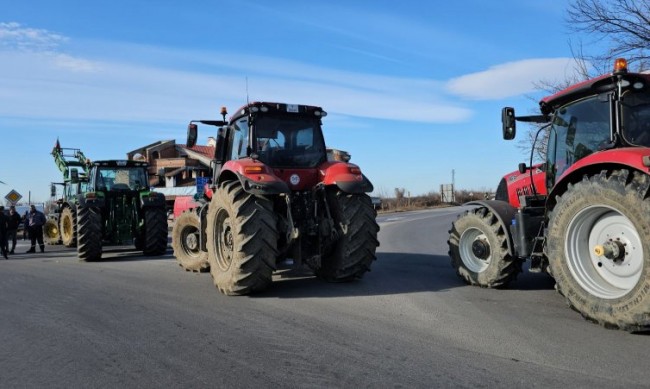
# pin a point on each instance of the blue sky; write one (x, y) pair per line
(413, 89)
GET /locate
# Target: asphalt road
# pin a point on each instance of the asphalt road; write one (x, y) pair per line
(134, 321)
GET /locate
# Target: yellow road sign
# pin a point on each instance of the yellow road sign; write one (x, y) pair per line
(13, 196)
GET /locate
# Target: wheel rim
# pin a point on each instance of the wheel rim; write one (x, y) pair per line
(51, 231)
(66, 227)
(190, 241)
(224, 240)
(594, 237)
(474, 260)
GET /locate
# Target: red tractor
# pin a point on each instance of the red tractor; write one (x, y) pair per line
(275, 200)
(591, 231)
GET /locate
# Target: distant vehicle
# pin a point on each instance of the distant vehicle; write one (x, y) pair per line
(376, 203)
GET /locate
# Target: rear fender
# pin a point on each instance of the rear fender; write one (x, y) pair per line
(346, 176)
(505, 213)
(92, 199)
(255, 177)
(631, 158)
(152, 199)
(184, 203)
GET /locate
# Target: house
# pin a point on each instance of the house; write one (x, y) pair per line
(174, 168)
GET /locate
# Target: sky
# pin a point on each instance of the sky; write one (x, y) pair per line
(413, 89)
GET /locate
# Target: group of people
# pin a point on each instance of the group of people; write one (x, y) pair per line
(33, 224)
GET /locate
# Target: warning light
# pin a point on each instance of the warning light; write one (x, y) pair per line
(620, 65)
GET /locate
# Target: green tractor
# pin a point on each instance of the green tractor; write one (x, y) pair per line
(60, 227)
(118, 208)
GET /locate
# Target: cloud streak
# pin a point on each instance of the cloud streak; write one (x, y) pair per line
(41, 81)
(510, 79)
(46, 83)
(14, 35)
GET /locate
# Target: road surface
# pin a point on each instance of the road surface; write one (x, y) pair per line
(134, 321)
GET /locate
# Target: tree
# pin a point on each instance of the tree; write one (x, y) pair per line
(623, 24)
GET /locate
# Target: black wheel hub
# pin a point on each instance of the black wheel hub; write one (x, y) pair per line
(481, 249)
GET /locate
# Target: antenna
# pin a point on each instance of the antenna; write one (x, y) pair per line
(247, 101)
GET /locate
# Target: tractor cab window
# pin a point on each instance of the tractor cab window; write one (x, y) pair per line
(635, 118)
(579, 129)
(289, 141)
(239, 144)
(109, 178)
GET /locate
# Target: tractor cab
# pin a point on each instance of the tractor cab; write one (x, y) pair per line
(109, 176)
(270, 147)
(609, 112)
(294, 142)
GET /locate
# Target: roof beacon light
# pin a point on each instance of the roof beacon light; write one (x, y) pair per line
(620, 65)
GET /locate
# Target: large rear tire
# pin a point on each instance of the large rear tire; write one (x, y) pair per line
(186, 243)
(241, 240)
(354, 250)
(155, 231)
(51, 233)
(68, 227)
(478, 249)
(89, 242)
(598, 247)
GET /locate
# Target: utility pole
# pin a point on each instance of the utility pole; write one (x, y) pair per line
(453, 185)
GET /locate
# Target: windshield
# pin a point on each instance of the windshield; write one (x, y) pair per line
(121, 178)
(635, 118)
(289, 141)
(579, 129)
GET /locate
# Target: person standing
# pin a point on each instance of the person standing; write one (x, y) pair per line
(25, 225)
(3, 232)
(35, 221)
(12, 228)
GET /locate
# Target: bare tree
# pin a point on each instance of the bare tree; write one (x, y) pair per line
(624, 24)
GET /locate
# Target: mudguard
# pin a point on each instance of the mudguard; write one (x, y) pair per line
(346, 176)
(505, 213)
(255, 177)
(152, 199)
(97, 201)
(634, 158)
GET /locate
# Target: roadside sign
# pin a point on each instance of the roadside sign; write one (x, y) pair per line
(200, 183)
(13, 197)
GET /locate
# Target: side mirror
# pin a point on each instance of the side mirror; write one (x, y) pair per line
(74, 176)
(508, 122)
(52, 190)
(522, 168)
(192, 133)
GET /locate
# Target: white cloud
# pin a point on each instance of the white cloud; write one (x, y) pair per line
(14, 35)
(511, 78)
(61, 86)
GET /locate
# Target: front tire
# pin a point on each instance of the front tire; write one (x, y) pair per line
(354, 251)
(68, 227)
(186, 243)
(155, 231)
(598, 248)
(241, 240)
(89, 244)
(478, 249)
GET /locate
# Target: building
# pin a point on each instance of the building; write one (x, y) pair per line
(174, 168)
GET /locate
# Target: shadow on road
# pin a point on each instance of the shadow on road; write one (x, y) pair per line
(392, 273)
(122, 254)
(109, 254)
